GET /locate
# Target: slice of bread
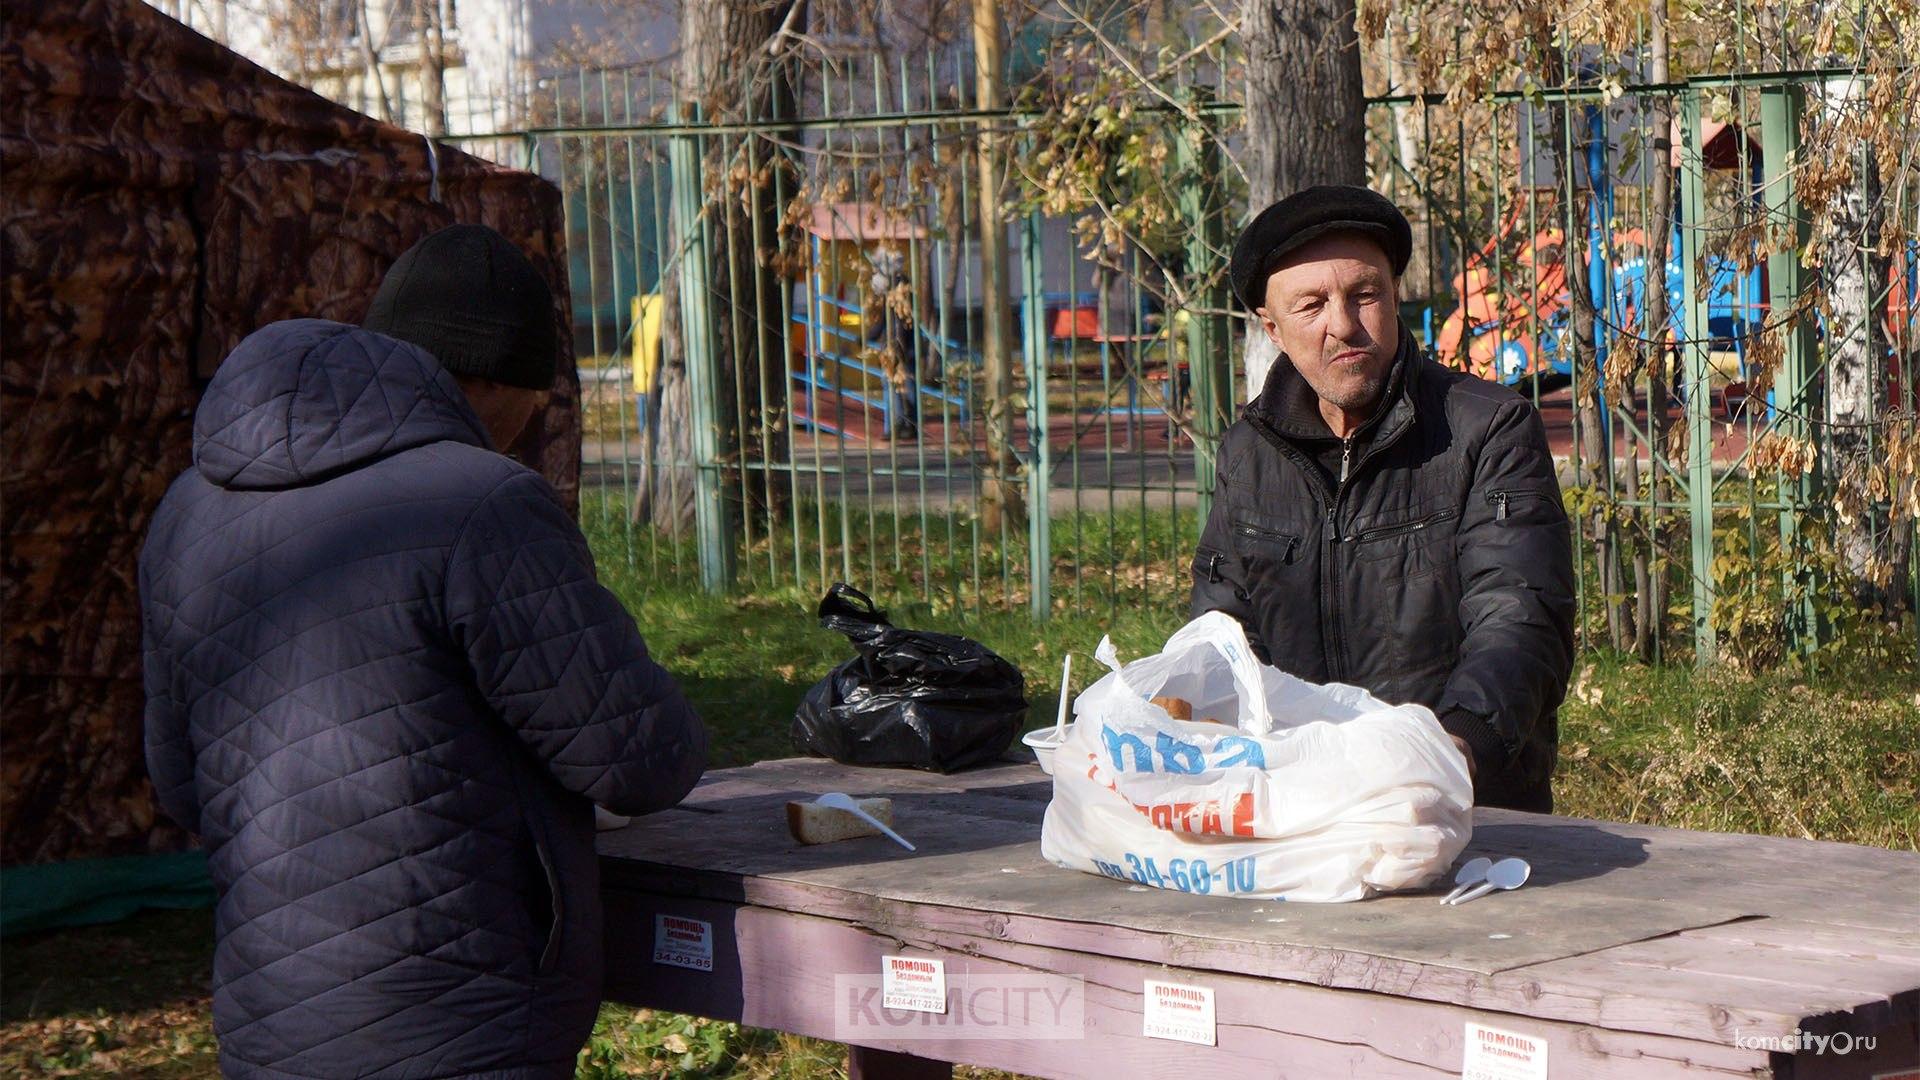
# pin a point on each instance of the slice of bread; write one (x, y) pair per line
(811, 823)
(1182, 709)
(1178, 708)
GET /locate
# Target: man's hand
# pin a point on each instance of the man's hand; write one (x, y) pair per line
(1465, 751)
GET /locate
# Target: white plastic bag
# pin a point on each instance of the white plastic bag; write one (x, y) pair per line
(1299, 792)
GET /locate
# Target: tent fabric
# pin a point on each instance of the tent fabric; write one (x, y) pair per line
(165, 197)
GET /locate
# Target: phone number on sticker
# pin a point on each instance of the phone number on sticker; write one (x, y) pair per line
(1229, 876)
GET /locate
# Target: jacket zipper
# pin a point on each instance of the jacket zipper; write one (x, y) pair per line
(1385, 531)
(1336, 643)
(1333, 645)
(1501, 500)
(1329, 536)
(1255, 532)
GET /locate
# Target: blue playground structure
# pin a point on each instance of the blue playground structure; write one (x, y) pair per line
(1512, 340)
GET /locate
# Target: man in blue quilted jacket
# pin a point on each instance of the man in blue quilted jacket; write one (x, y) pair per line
(386, 690)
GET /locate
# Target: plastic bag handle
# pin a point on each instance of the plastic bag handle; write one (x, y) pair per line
(1225, 634)
(845, 607)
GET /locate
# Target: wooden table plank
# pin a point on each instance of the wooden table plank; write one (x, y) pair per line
(1265, 1028)
(976, 848)
(1814, 880)
(1845, 943)
(979, 887)
(1584, 990)
(1864, 975)
(1764, 875)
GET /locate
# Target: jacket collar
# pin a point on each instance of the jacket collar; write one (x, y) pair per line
(1290, 409)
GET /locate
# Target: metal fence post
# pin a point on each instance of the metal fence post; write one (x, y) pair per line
(697, 337)
(1693, 202)
(1209, 343)
(1040, 458)
(1780, 107)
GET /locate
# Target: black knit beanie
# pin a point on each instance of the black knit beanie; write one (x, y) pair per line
(469, 297)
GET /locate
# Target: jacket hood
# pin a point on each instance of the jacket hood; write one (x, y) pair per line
(306, 399)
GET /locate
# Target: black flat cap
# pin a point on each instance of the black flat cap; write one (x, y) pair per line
(1309, 213)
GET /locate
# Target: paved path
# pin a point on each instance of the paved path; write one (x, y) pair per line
(1140, 457)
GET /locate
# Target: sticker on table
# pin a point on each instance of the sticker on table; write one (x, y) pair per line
(913, 984)
(683, 943)
(1181, 1013)
(1493, 1054)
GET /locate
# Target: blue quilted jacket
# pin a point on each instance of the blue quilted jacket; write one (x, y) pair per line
(385, 689)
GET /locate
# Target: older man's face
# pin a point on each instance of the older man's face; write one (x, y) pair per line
(1333, 309)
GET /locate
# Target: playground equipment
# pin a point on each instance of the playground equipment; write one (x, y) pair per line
(1120, 362)
(648, 310)
(1903, 328)
(1515, 315)
(835, 333)
(1508, 333)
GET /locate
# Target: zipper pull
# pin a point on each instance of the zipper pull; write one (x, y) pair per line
(1499, 500)
(1346, 457)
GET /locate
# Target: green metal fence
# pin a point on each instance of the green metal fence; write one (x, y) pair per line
(1707, 453)
(783, 341)
(855, 447)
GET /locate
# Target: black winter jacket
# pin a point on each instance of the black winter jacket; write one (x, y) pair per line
(383, 687)
(1440, 572)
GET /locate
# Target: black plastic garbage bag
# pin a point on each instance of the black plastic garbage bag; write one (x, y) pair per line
(912, 697)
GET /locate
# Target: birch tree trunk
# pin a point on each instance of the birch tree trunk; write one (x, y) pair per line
(1305, 114)
(733, 68)
(1001, 505)
(1854, 351)
(1595, 447)
(1650, 588)
(429, 23)
(370, 61)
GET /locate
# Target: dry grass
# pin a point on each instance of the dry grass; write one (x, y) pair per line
(128, 1000)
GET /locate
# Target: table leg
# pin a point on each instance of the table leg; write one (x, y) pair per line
(866, 1063)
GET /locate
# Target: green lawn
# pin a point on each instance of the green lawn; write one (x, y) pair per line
(1835, 759)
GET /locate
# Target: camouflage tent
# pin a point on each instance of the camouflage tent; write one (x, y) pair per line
(163, 198)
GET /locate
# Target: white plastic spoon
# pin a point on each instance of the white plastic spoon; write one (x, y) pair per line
(840, 800)
(1505, 874)
(1472, 872)
(1060, 720)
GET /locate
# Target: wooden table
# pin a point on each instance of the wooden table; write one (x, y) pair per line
(1634, 951)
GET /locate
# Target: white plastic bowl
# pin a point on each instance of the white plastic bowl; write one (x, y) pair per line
(1043, 743)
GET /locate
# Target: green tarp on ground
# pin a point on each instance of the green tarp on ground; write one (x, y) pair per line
(82, 892)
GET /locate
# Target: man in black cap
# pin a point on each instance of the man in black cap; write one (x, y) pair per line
(386, 691)
(1383, 521)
